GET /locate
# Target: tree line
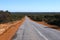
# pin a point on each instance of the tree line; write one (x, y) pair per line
(6, 16)
(49, 19)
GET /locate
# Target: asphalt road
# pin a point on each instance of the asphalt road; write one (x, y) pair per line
(30, 30)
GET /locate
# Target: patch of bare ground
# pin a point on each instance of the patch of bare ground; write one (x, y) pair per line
(50, 26)
(8, 30)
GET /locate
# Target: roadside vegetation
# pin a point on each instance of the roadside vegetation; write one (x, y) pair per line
(49, 18)
(52, 19)
(6, 16)
(9, 20)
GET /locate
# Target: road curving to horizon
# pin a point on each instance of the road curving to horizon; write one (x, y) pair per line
(31, 30)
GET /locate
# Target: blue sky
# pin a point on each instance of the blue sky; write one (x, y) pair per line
(30, 5)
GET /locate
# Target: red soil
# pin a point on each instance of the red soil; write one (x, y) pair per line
(50, 26)
(8, 34)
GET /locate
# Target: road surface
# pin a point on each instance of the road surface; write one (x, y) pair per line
(30, 30)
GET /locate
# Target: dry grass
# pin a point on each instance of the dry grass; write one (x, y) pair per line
(5, 26)
(10, 29)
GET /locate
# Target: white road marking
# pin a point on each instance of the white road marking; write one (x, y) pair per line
(40, 34)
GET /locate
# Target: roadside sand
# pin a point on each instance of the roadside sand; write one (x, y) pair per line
(50, 26)
(9, 33)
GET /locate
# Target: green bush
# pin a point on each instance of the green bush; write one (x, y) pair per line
(50, 19)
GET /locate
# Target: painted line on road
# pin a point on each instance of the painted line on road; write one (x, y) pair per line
(40, 33)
